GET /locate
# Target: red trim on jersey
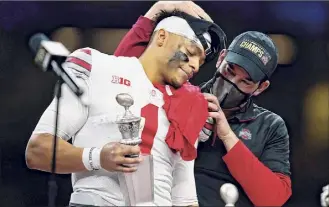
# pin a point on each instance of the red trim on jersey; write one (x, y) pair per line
(79, 62)
(150, 113)
(85, 50)
(262, 186)
(208, 126)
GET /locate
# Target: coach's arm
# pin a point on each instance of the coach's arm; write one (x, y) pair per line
(136, 40)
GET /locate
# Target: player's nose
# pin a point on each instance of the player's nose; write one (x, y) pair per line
(194, 65)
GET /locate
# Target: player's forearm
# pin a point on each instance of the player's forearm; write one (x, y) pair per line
(39, 155)
(135, 41)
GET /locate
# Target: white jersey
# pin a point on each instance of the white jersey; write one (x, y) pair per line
(103, 77)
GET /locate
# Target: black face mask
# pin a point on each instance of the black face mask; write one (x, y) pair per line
(228, 94)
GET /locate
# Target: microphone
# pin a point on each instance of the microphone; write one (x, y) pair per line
(49, 56)
(230, 194)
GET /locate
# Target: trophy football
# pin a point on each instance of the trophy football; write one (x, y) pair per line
(229, 193)
(137, 187)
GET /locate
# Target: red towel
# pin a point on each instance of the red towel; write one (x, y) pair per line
(187, 111)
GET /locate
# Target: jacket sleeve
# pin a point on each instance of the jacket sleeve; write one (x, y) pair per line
(136, 40)
(266, 181)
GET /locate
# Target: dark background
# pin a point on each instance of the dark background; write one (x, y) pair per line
(299, 90)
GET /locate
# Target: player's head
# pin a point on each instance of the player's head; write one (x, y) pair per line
(181, 44)
(244, 69)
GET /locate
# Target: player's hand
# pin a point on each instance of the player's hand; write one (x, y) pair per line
(222, 127)
(188, 7)
(325, 196)
(113, 157)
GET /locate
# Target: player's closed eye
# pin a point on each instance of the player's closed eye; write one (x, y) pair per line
(190, 53)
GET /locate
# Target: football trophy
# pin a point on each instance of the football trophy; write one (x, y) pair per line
(230, 194)
(137, 187)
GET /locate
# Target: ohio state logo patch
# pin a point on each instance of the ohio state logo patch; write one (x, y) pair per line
(245, 134)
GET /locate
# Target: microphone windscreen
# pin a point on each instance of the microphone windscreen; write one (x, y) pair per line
(35, 41)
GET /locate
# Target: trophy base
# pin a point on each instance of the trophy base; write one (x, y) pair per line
(138, 187)
(146, 204)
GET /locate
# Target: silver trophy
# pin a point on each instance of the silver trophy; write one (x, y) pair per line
(230, 194)
(128, 124)
(137, 187)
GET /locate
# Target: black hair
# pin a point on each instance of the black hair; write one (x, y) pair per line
(165, 14)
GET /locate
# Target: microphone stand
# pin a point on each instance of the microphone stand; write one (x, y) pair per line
(52, 184)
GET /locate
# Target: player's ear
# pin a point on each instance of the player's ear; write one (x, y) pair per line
(161, 38)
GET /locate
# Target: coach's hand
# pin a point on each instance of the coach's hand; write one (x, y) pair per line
(188, 7)
(113, 157)
(223, 129)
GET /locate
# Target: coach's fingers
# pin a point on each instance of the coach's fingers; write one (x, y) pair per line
(199, 11)
(186, 7)
(211, 98)
(215, 115)
(212, 107)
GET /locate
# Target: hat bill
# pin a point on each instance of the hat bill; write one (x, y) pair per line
(254, 71)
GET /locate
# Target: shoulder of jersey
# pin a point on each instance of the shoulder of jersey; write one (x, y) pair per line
(81, 59)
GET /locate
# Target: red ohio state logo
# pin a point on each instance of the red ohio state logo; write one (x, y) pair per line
(245, 134)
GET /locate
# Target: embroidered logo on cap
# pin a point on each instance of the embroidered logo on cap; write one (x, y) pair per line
(256, 49)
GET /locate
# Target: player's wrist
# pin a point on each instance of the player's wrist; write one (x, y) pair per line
(91, 158)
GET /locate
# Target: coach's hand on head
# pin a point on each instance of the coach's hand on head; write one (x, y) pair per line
(113, 157)
(188, 7)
